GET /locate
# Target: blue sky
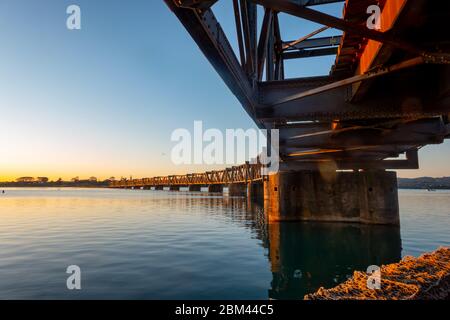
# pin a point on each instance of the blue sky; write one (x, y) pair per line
(105, 99)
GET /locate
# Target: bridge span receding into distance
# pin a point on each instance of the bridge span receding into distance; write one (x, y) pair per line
(386, 96)
(240, 180)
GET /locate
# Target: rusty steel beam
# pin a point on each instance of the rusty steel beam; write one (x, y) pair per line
(253, 20)
(356, 153)
(364, 139)
(292, 8)
(237, 17)
(341, 83)
(394, 100)
(279, 62)
(271, 50)
(264, 42)
(212, 41)
(382, 140)
(411, 162)
(314, 43)
(310, 53)
(247, 39)
(248, 19)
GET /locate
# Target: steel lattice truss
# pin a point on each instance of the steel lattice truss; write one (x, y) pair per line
(238, 174)
(387, 92)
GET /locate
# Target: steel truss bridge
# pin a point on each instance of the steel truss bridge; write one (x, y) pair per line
(243, 174)
(386, 96)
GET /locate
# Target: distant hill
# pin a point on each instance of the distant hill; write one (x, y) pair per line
(424, 183)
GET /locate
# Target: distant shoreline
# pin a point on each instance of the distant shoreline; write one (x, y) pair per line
(54, 185)
(419, 188)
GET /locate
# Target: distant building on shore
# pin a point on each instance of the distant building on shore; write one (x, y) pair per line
(42, 179)
(25, 179)
(93, 179)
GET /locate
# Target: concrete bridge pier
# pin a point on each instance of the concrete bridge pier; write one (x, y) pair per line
(159, 187)
(255, 191)
(215, 188)
(367, 196)
(237, 190)
(174, 188)
(195, 187)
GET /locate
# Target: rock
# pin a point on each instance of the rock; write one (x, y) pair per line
(423, 278)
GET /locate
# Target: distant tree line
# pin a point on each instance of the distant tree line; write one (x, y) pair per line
(45, 182)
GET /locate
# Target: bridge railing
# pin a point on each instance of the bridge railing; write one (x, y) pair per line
(237, 174)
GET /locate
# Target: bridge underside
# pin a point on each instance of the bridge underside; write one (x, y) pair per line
(387, 94)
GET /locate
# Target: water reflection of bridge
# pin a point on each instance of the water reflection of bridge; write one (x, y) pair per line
(304, 256)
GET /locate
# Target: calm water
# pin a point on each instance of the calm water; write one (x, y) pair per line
(179, 245)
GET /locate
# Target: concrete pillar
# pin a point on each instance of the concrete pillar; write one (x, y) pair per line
(159, 187)
(367, 197)
(174, 188)
(195, 187)
(237, 190)
(255, 191)
(215, 188)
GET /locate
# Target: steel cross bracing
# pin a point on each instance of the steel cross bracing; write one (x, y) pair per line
(386, 94)
(246, 173)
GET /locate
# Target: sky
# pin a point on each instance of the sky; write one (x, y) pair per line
(103, 101)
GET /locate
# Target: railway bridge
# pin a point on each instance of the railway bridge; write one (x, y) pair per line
(386, 96)
(240, 180)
